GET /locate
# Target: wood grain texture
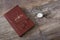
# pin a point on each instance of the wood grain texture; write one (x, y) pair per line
(50, 27)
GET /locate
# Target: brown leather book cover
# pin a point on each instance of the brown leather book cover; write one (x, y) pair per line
(18, 20)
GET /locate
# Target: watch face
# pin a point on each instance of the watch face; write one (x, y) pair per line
(18, 20)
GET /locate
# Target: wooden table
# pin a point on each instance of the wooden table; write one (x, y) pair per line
(8, 33)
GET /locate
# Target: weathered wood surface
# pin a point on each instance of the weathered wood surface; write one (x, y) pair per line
(50, 26)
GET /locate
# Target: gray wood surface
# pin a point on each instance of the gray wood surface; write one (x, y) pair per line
(49, 26)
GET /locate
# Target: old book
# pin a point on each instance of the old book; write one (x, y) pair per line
(19, 21)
